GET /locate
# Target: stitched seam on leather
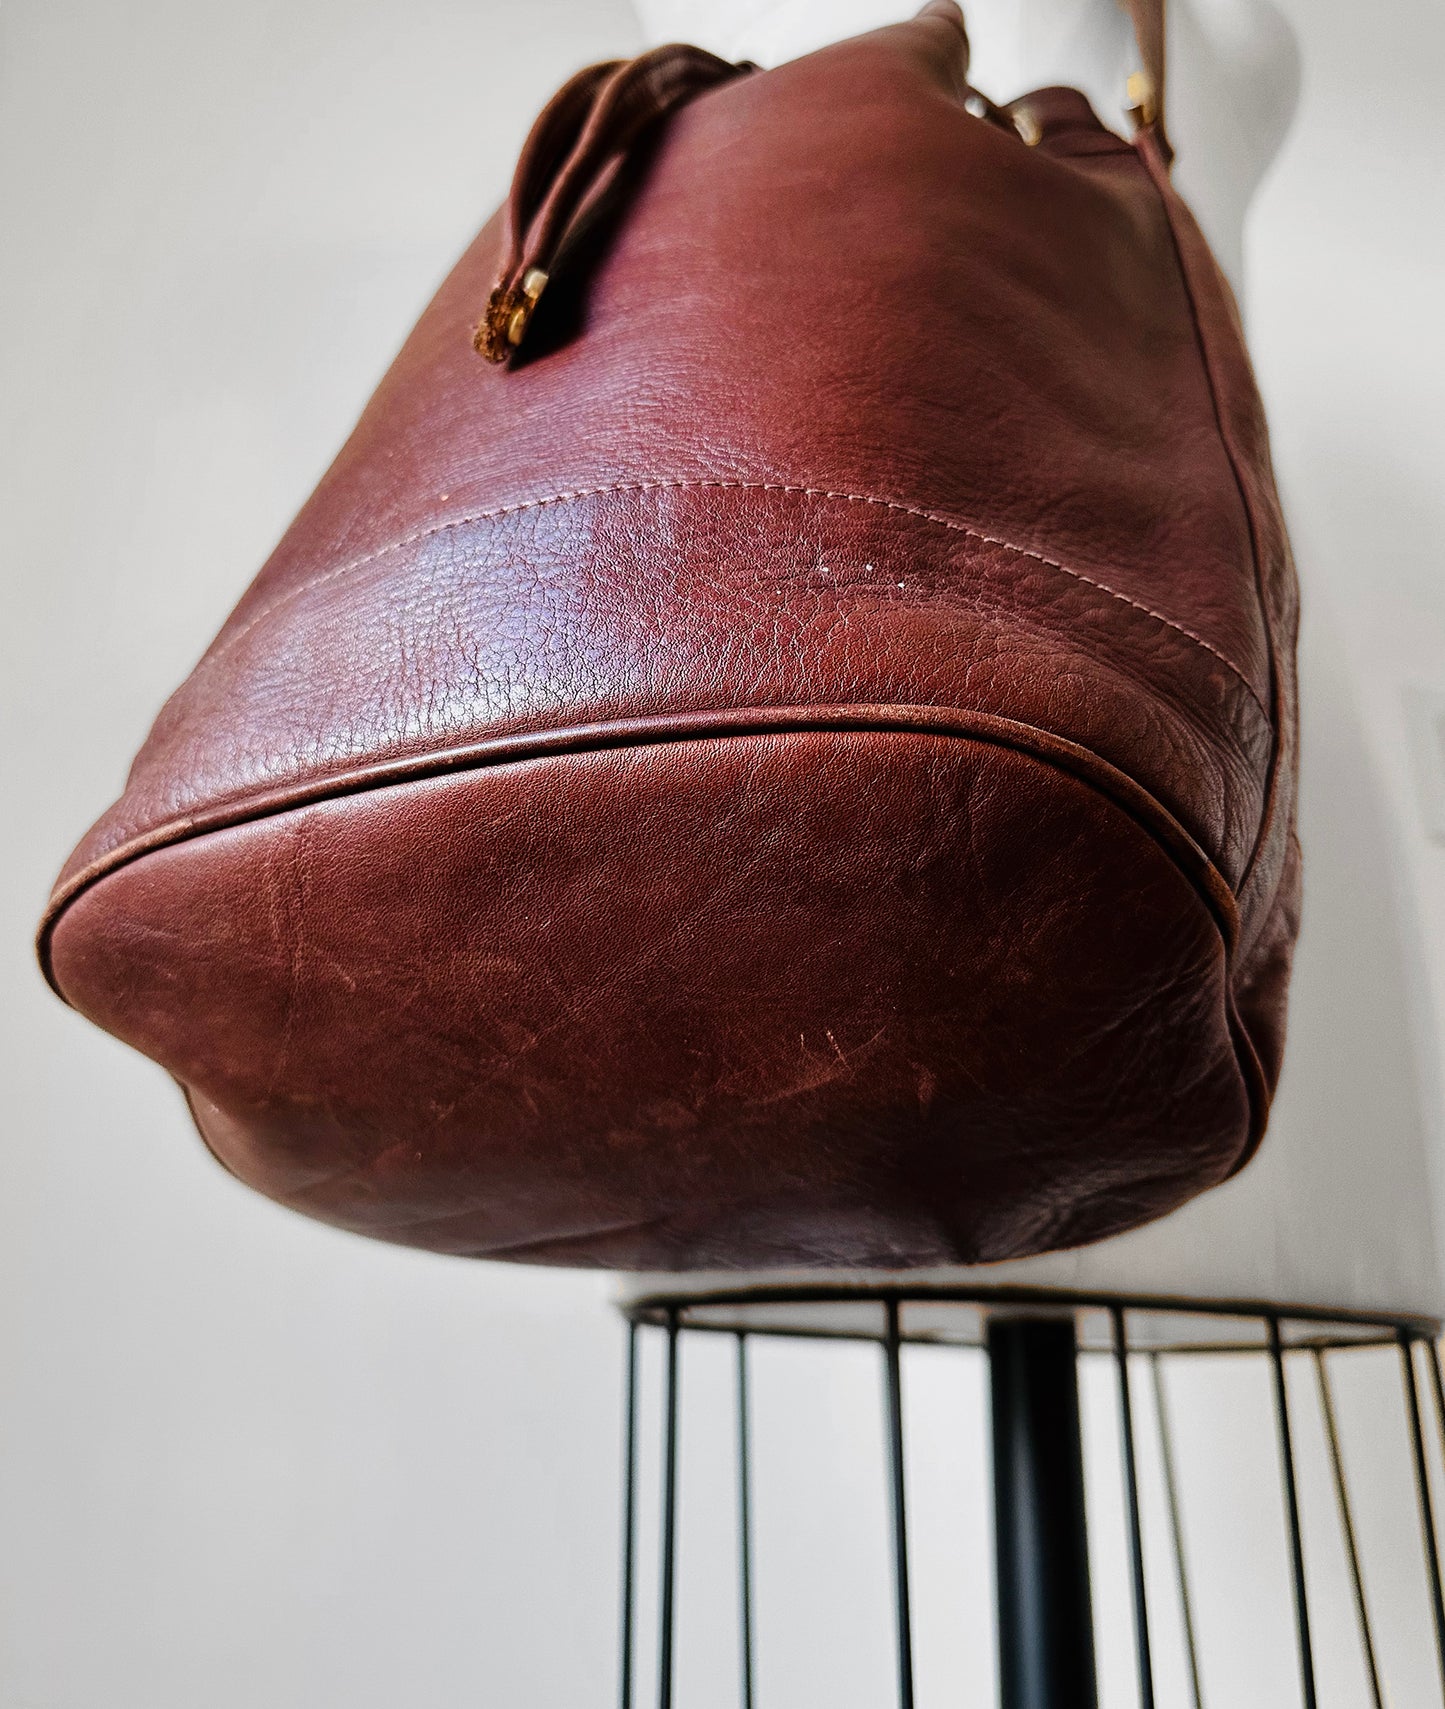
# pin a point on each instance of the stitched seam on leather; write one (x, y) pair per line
(893, 505)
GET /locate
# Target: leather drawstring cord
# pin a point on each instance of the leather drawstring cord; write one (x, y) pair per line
(585, 131)
(582, 134)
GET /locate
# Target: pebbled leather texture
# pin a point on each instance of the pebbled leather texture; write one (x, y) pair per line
(797, 766)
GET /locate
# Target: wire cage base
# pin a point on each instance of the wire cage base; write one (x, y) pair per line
(1192, 1503)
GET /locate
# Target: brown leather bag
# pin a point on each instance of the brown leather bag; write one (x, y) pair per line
(793, 764)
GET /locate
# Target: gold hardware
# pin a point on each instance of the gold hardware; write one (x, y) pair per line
(490, 338)
(1143, 108)
(504, 325)
(1027, 126)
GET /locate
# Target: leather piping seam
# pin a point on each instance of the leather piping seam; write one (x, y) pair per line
(659, 729)
(226, 642)
(1150, 151)
(1158, 172)
(1075, 760)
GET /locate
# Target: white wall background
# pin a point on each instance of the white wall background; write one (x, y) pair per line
(245, 1460)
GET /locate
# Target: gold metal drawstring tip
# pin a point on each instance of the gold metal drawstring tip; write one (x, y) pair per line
(1028, 127)
(1143, 108)
(504, 324)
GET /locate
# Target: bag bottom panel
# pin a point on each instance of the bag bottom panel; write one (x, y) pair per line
(820, 997)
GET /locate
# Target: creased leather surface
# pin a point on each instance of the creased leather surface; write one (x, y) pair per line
(875, 1030)
(850, 399)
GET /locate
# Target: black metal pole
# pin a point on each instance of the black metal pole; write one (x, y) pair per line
(1176, 1530)
(1427, 1504)
(1045, 1618)
(1347, 1526)
(745, 1524)
(893, 1384)
(629, 1517)
(669, 1522)
(1292, 1516)
(1142, 1651)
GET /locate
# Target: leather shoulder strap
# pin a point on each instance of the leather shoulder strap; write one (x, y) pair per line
(1146, 91)
(1146, 87)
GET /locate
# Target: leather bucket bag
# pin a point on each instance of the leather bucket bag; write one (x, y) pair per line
(774, 742)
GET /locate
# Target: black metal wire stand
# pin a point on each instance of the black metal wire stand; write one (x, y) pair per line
(1045, 1636)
